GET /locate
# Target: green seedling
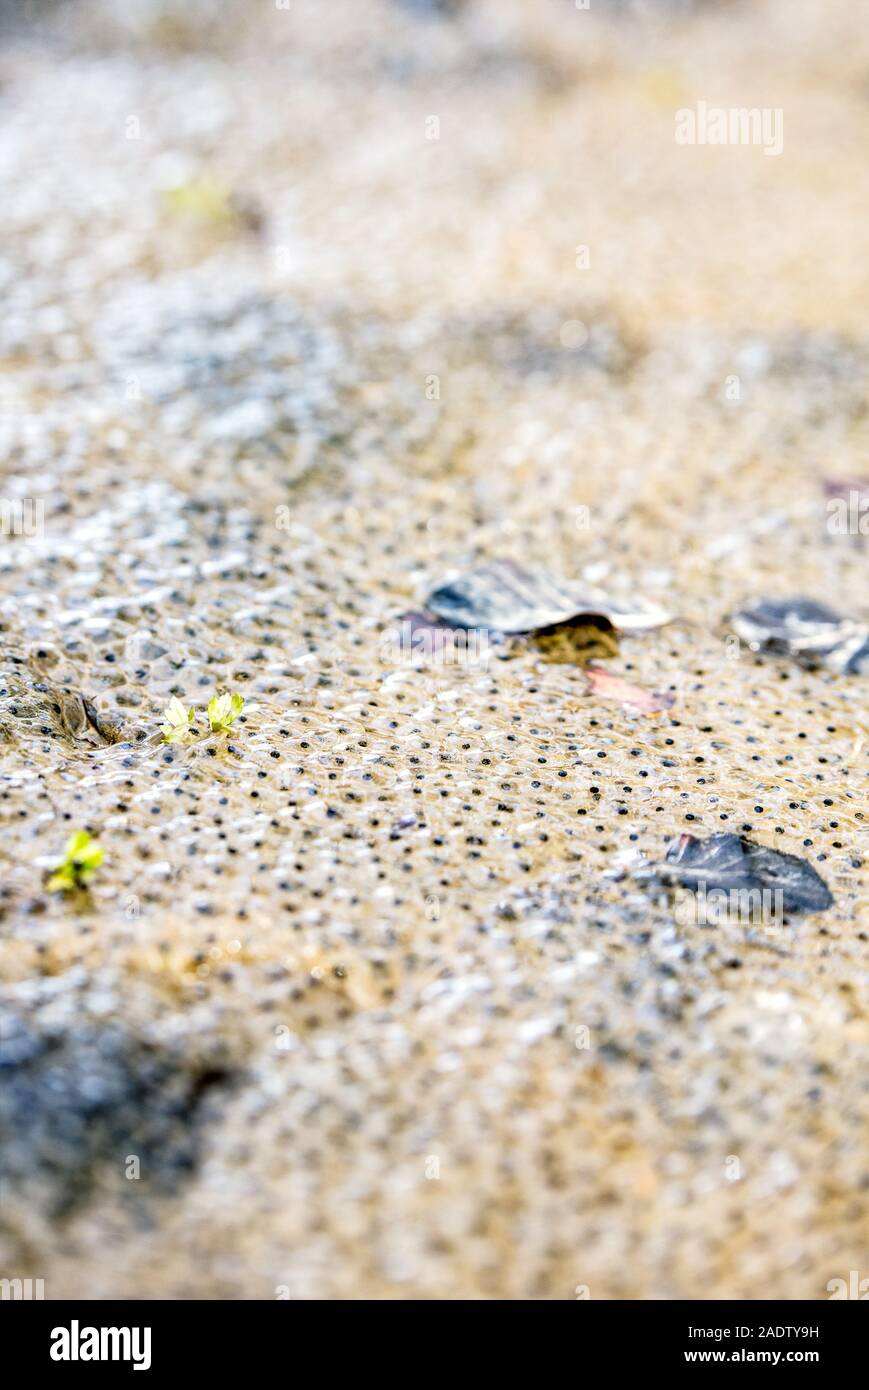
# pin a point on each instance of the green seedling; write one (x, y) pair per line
(223, 710)
(211, 206)
(176, 721)
(81, 857)
(204, 200)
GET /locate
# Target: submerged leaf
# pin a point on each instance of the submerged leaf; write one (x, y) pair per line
(608, 686)
(730, 862)
(504, 597)
(419, 637)
(843, 487)
(809, 632)
(73, 712)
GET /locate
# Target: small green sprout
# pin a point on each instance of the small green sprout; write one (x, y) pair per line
(81, 857)
(223, 710)
(177, 721)
(204, 200)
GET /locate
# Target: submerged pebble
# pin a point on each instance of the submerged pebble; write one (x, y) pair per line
(506, 597)
(808, 631)
(734, 863)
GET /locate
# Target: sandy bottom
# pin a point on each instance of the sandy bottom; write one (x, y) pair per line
(305, 311)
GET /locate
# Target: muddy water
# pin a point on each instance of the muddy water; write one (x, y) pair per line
(367, 996)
